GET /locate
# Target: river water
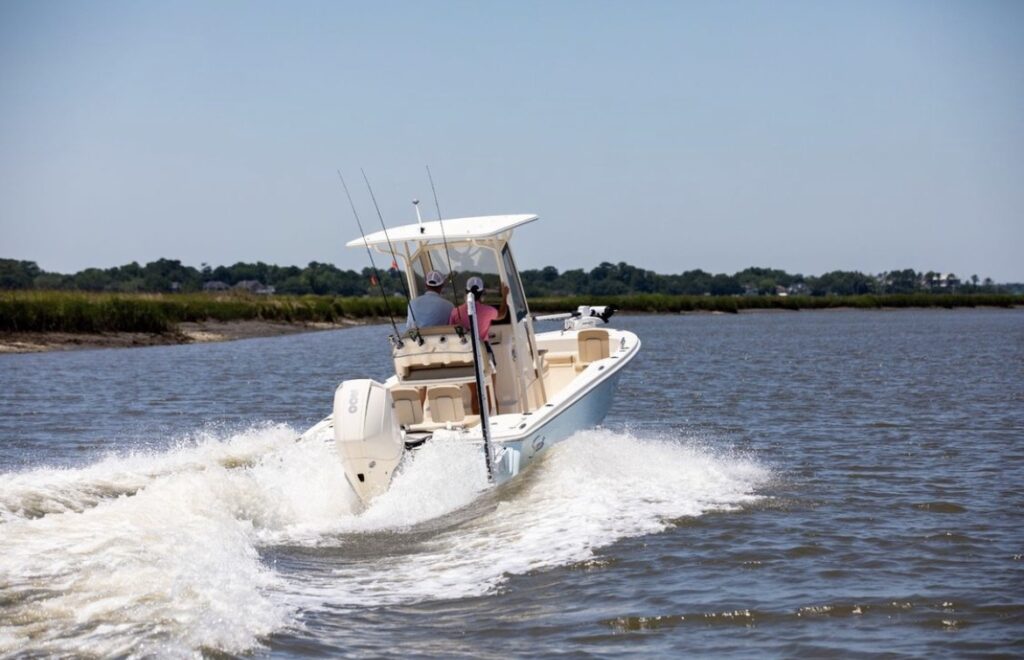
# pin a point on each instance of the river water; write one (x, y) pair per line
(812, 483)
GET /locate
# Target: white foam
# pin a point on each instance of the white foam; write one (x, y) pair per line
(436, 479)
(590, 491)
(55, 490)
(158, 554)
(167, 567)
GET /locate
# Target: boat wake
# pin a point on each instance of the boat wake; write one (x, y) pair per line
(187, 550)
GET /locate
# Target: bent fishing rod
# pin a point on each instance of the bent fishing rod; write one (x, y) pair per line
(373, 264)
(394, 258)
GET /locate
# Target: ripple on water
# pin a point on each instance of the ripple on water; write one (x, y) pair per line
(940, 615)
(940, 507)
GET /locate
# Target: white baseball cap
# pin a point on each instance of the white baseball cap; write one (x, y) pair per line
(475, 283)
(434, 278)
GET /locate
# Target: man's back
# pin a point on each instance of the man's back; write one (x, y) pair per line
(429, 309)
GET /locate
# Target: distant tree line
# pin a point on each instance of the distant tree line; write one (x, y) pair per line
(169, 275)
(624, 279)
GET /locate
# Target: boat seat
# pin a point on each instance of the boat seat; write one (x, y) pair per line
(408, 406)
(593, 346)
(560, 358)
(559, 370)
(446, 408)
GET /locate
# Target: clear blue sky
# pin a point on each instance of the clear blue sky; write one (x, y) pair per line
(807, 136)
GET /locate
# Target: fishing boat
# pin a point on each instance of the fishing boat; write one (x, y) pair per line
(513, 392)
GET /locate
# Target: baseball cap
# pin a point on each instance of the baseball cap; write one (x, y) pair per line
(475, 283)
(434, 278)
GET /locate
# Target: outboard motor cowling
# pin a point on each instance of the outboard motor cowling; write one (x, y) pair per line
(367, 435)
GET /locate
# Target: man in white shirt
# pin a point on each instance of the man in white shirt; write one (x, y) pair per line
(430, 308)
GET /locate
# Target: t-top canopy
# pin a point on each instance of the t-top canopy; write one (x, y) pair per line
(456, 229)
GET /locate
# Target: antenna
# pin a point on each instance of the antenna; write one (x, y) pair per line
(447, 254)
(419, 218)
(394, 257)
(376, 273)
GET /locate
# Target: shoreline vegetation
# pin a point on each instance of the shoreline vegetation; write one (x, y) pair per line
(606, 279)
(55, 320)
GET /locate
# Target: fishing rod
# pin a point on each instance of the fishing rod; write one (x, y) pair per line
(394, 257)
(447, 253)
(369, 253)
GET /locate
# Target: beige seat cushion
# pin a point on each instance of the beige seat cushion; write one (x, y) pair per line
(407, 405)
(445, 403)
(593, 346)
(468, 421)
(447, 407)
(560, 357)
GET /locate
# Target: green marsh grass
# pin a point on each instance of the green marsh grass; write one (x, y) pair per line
(80, 312)
(62, 311)
(668, 304)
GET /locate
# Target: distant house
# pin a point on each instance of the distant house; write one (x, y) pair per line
(798, 289)
(781, 291)
(256, 287)
(215, 286)
(175, 287)
(933, 281)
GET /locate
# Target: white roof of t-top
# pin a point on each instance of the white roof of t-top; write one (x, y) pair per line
(456, 229)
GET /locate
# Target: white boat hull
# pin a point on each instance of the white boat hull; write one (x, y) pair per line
(517, 438)
(586, 412)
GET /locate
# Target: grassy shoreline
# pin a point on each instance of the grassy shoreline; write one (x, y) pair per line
(86, 313)
(95, 313)
(669, 304)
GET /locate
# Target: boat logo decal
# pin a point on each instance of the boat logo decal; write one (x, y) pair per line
(538, 443)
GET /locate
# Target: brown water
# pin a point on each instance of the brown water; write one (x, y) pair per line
(846, 483)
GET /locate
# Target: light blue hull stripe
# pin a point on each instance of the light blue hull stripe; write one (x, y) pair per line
(586, 412)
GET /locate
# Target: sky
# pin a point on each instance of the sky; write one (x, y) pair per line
(808, 136)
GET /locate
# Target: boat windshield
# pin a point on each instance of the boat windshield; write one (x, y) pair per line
(466, 261)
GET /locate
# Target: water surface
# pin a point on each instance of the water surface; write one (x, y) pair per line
(798, 483)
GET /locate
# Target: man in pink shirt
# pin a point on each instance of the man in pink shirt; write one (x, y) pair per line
(485, 314)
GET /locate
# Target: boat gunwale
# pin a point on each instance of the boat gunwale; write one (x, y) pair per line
(533, 422)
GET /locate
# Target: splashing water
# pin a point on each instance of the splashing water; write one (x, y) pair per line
(159, 554)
